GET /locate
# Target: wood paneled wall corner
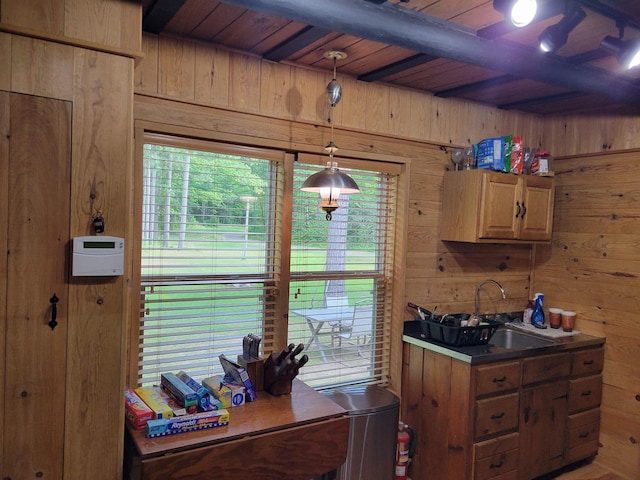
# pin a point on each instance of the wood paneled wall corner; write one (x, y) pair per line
(102, 159)
(591, 267)
(591, 133)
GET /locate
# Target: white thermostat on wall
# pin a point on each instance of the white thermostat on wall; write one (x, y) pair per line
(97, 256)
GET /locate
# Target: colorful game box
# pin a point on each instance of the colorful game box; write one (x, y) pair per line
(137, 412)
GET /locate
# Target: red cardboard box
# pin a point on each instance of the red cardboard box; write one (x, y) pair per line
(137, 412)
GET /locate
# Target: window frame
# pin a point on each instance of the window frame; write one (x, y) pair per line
(185, 135)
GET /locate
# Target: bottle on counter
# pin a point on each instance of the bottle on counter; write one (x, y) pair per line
(526, 316)
(537, 316)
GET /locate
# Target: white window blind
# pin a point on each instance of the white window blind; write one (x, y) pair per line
(209, 255)
(341, 271)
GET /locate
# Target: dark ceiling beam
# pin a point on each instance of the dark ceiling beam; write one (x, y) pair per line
(609, 12)
(396, 67)
(539, 101)
(394, 25)
(160, 14)
(580, 58)
(472, 87)
(297, 42)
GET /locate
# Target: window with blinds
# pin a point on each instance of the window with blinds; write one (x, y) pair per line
(341, 271)
(209, 267)
(215, 242)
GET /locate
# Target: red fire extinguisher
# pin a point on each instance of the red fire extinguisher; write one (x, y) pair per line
(404, 450)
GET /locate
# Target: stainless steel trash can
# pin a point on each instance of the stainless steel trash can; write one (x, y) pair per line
(374, 413)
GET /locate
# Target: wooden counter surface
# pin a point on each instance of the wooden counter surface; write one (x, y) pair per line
(299, 435)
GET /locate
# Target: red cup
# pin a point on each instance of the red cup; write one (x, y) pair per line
(568, 320)
(555, 317)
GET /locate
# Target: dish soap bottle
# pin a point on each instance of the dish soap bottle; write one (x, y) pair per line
(537, 316)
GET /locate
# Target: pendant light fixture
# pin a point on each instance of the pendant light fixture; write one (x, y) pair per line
(330, 183)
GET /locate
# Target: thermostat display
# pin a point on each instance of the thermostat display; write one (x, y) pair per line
(98, 256)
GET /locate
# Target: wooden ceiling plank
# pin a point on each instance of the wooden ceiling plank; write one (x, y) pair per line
(190, 15)
(216, 21)
(249, 29)
(302, 39)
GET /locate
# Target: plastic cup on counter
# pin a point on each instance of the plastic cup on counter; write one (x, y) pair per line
(555, 317)
(568, 320)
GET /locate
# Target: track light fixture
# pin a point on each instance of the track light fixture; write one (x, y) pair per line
(555, 36)
(520, 12)
(627, 53)
(331, 182)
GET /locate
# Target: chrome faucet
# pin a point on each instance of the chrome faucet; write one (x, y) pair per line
(478, 293)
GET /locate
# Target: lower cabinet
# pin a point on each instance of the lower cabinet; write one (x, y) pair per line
(509, 420)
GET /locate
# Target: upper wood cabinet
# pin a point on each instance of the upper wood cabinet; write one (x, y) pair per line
(483, 206)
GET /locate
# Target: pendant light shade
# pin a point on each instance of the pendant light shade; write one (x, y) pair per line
(330, 183)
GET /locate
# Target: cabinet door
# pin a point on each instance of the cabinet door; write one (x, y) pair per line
(37, 215)
(537, 203)
(498, 208)
(543, 420)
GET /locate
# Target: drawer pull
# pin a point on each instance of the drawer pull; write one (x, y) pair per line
(586, 363)
(584, 435)
(500, 380)
(586, 394)
(497, 416)
(496, 465)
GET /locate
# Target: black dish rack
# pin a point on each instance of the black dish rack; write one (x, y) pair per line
(451, 334)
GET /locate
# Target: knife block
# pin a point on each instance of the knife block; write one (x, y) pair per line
(274, 383)
(255, 370)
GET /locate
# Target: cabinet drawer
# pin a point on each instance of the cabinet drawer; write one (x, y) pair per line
(587, 362)
(585, 393)
(583, 434)
(496, 457)
(545, 368)
(497, 378)
(498, 414)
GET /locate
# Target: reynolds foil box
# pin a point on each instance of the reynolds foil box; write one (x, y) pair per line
(187, 423)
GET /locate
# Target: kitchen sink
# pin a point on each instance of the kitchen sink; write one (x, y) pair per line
(513, 339)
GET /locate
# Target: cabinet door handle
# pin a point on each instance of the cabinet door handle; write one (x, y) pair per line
(54, 311)
(519, 208)
(499, 380)
(527, 411)
(586, 363)
(524, 210)
(496, 465)
(586, 394)
(497, 416)
(583, 435)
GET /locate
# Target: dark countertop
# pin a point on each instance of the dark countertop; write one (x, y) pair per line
(490, 353)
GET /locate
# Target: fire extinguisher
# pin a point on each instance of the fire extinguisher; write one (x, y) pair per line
(404, 450)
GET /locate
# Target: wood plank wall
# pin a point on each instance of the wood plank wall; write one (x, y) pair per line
(73, 50)
(592, 267)
(371, 121)
(435, 273)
